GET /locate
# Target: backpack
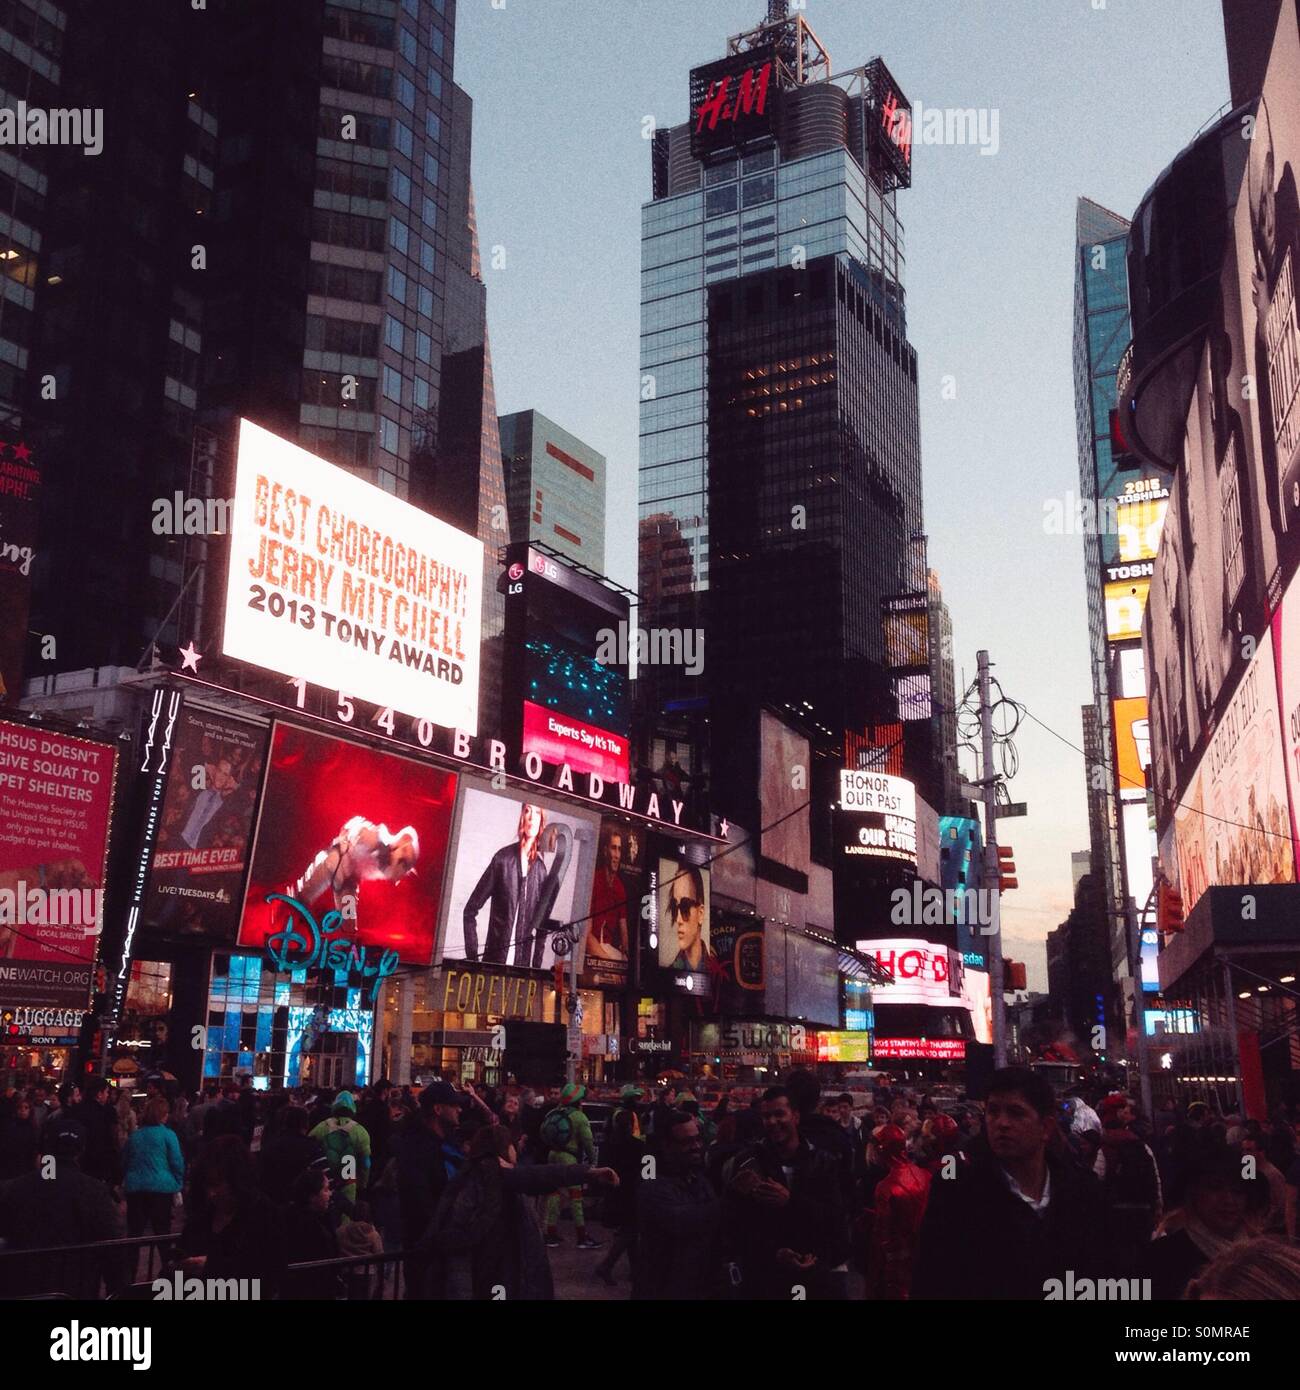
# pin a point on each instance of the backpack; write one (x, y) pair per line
(557, 1129)
(338, 1143)
(466, 1211)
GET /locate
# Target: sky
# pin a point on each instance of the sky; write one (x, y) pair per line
(1092, 98)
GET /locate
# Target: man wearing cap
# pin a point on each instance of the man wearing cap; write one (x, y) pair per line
(427, 1159)
(577, 1147)
(347, 1146)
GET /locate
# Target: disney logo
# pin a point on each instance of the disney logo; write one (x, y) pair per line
(306, 943)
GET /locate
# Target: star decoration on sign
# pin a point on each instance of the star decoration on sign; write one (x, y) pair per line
(723, 827)
(190, 658)
(21, 451)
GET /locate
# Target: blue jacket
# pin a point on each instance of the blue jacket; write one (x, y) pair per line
(153, 1160)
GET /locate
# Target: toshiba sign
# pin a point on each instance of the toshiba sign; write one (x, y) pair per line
(922, 973)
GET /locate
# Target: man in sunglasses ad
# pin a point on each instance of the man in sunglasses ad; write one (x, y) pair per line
(684, 939)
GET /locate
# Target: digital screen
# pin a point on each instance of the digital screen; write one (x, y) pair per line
(347, 828)
(520, 869)
(733, 102)
(685, 943)
(339, 583)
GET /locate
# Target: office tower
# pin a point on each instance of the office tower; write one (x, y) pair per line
(780, 456)
(556, 488)
(283, 196)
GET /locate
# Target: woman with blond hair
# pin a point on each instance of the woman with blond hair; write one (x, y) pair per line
(155, 1171)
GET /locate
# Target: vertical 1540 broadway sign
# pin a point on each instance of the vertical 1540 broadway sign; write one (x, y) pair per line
(19, 488)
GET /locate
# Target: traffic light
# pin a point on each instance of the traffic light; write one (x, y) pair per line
(1016, 975)
(1169, 908)
(1006, 869)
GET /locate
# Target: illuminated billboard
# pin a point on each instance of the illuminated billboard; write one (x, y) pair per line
(56, 806)
(1125, 592)
(733, 102)
(1233, 825)
(1132, 746)
(924, 973)
(337, 582)
(876, 818)
(521, 868)
(1141, 518)
(685, 943)
(344, 828)
(918, 1049)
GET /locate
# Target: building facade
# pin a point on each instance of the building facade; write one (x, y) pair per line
(555, 485)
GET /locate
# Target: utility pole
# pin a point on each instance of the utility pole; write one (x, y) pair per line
(989, 787)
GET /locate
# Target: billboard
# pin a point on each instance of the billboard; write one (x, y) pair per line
(1234, 825)
(1125, 592)
(337, 582)
(733, 102)
(346, 828)
(616, 893)
(196, 878)
(685, 941)
(918, 1049)
(812, 979)
(907, 630)
(20, 485)
(521, 866)
(56, 805)
(783, 794)
(923, 973)
(1132, 747)
(876, 818)
(739, 943)
(565, 673)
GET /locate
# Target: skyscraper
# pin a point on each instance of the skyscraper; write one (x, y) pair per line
(284, 196)
(780, 454)
(1122, 512)
(556, 488)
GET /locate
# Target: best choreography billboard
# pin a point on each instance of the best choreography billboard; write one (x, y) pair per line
(201, 852)
(521, 867)
(56, 804)
(346, 828)
(336, 582)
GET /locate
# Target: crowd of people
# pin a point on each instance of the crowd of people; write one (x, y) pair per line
(884, 1195)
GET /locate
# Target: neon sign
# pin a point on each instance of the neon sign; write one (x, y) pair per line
(322, 945)
(750, 98)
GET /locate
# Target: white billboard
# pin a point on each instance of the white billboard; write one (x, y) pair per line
(335, 581)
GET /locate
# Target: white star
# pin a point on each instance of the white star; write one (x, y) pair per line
(724, 827)
(190, 658)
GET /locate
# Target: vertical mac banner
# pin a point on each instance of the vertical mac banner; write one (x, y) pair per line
(335, 581)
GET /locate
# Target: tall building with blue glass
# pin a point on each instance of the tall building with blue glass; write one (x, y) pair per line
(1121, 514)
(780, 476)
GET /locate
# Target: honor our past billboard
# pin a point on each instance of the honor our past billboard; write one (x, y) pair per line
(334, 581)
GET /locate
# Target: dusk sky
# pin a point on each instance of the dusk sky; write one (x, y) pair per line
(1090, 97)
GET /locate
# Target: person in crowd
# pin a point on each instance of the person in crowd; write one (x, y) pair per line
(97, 1116)
(1011, 1221)
(126, 1120)
(223, 1117)
(485, 1227)
(347, 1147)
(1271, 1215)
(19, 1136)
(678, 1220)
(372, 1114)
(823, 1132)
(511, 1115)
(898, 1208)
(56, 1203)
(846, 1119)
(1216, 1215)
(154, 1171)
(941, 1145)
(307, 1234)
(1130, 1182)
(1261, 1270)
(622, 1150)
(784, 1210)
(43, 1108)
(566, 1133)
(427, 1160)
(196, 1120)
(230, 1230)
(291, 1152)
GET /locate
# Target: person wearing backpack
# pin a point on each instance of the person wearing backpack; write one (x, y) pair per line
(566, 1137)
(485, 1229)
(347, 1147)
